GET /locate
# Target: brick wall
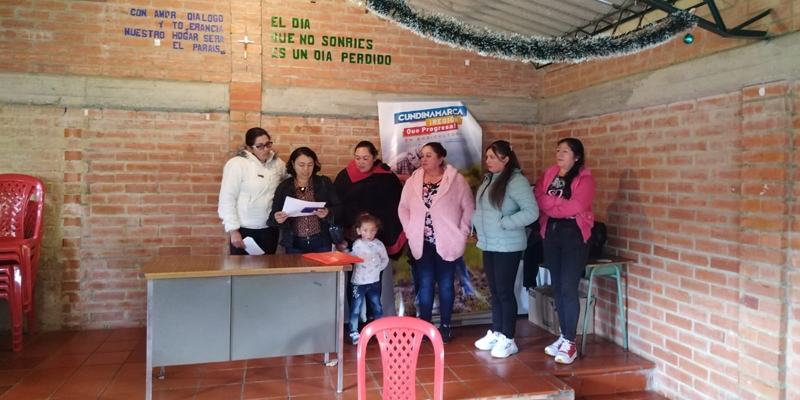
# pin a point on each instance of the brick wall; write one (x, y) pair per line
(88, 38)
(123, 186)
(784, 18)
(793, 279)
(698, 194)
(418, 65)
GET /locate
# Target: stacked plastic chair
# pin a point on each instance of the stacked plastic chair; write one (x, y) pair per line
(21, 229)
(399, 339)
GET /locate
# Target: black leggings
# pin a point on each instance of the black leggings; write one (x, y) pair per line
(266, 238)
(565, 255)
(501, 273)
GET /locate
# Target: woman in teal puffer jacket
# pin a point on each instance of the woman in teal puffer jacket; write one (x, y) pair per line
(505, 205)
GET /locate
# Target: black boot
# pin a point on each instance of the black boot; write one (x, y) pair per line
(444, 331)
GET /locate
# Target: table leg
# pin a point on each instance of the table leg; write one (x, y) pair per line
(327, 358)
(618, 276)
(340, 331)
(586, 311)
(149, 357)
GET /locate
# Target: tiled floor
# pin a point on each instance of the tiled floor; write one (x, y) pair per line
(109, 365)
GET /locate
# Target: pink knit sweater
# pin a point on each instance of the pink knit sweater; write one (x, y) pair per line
(450, 212)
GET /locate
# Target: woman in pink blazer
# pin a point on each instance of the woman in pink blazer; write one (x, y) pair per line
(565, 193)
(435, 210)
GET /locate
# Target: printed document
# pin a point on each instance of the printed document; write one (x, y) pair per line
(301, 208)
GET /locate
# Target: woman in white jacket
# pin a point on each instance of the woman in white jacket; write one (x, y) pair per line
(248, 186)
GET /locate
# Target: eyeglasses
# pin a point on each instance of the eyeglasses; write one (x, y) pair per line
(262, 146)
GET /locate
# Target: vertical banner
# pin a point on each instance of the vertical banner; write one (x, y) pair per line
(405, 127)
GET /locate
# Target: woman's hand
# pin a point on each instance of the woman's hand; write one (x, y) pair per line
(281, 217)
(321, 213)
(236, 240)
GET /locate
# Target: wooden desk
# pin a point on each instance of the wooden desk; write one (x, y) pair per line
(203, 309)
(607, 266)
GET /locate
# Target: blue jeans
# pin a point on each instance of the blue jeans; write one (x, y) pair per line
(312, 244)
(462, 273)
(372, 291)
(432, 270)
(565, 255)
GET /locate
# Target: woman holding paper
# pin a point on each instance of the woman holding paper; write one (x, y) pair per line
(248, 185)
(306, 230)
(435, 209)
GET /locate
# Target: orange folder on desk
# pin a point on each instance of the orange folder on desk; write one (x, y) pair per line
(333, 258)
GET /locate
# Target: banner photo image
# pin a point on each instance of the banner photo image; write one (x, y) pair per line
(405, 127)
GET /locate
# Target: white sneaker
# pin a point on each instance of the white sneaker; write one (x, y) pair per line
(487, 342)
(552, 350)
(567, 352)
(354, 336)
(504, 347)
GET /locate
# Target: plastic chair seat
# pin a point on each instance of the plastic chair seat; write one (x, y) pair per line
(399, 340)
(11, 289)
(21, 229)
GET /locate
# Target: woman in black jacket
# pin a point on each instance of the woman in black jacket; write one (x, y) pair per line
(306, 234)
(367, 185)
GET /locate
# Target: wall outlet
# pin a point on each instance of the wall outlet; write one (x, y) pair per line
(157, 42)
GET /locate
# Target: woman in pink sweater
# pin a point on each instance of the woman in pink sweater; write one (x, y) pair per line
(565, 193)
(435, 209)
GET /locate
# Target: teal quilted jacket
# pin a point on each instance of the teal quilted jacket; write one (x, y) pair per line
(504, 230)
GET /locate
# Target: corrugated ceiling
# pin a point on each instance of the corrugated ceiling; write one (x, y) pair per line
(542, 17)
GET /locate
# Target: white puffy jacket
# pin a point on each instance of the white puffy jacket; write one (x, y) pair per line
(248, 186)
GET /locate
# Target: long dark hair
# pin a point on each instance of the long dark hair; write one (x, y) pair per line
(577, 149)
(502, 149)
(366, 144)
(302, 151)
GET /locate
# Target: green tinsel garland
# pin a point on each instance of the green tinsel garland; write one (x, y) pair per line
(447, 30)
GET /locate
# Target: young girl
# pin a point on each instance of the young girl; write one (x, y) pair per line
(367, 274)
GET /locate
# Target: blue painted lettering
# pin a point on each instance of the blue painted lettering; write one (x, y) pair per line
(138, 12)
(184, 36)
(145, 33)
(213, 39)
(193, 26)
(177, 45)
(164, 14)
(204, 17)
(207, 48)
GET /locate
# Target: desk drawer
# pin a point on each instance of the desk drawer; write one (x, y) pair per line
(283, 315)
(191, 320)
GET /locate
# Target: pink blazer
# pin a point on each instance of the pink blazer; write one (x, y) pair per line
(579, 204)
(450, 212)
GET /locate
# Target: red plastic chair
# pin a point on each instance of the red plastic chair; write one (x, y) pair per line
(11, 290)
(399, 339)
(21, 229)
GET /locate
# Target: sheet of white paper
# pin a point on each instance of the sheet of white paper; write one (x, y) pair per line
(295, 207)
(251, 247)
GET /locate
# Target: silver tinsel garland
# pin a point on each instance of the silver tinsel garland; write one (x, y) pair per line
(447, 30)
